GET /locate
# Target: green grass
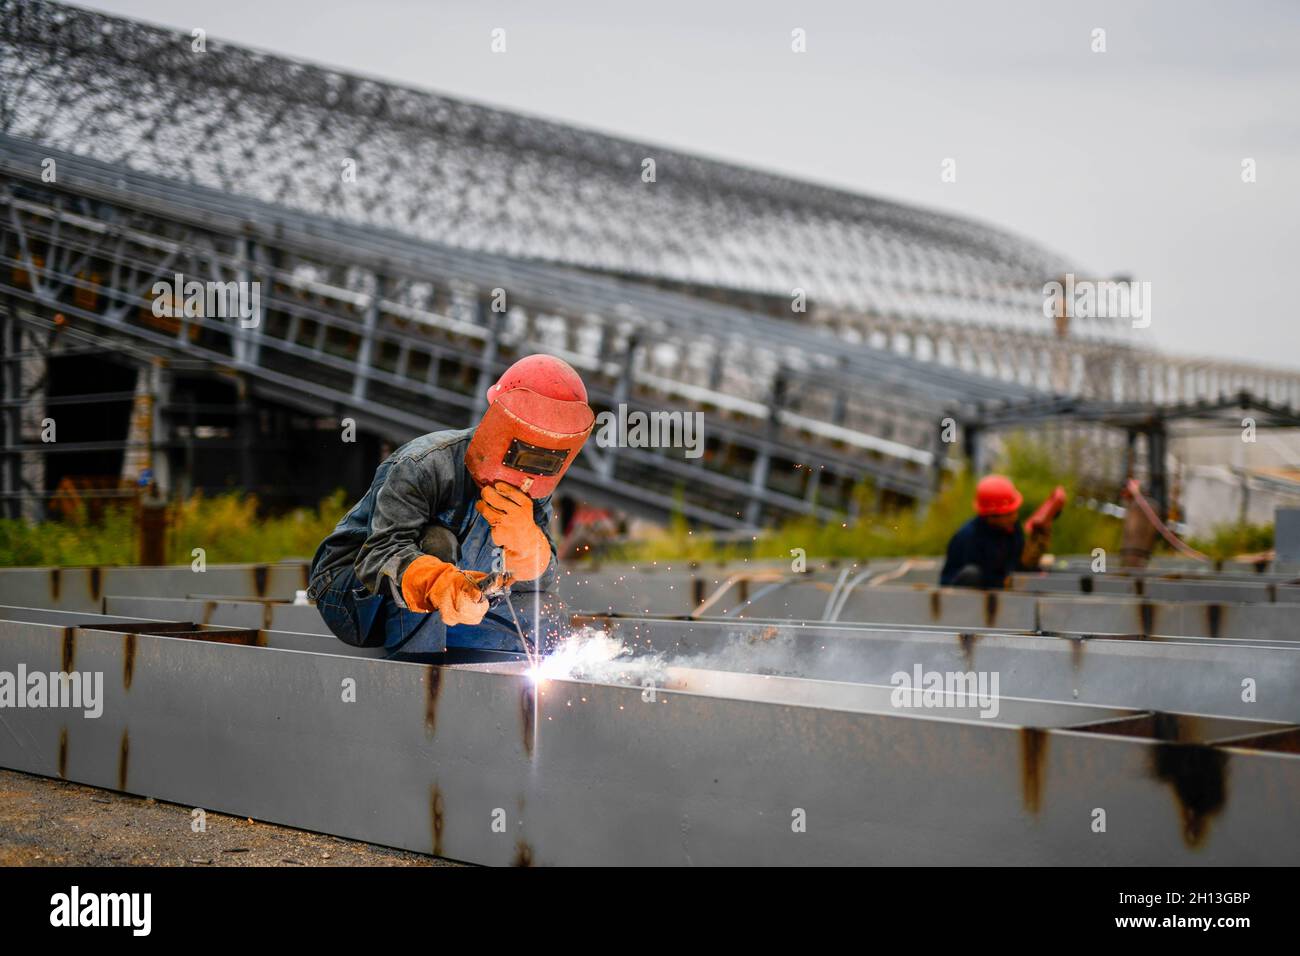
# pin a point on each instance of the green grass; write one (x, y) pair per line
(911, 531)
(227, 527)
(1227, 540)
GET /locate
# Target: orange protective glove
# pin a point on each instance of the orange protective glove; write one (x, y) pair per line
(509, 511)
(429, 584)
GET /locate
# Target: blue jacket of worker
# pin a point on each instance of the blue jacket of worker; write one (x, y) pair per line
(355, 576)
(977, 543)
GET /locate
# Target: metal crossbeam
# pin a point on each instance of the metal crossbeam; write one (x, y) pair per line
(1187, 675)
(1161, 589)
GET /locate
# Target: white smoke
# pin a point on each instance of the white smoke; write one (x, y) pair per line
(590, 654)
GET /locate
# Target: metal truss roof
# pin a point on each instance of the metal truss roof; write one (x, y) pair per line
(264, 127)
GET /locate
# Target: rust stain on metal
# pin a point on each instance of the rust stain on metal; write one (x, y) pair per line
(936, 604)
(1076, 651)
(1198, 775)
(435, 814)
(523, 854)
(1139, 587)
(763, 636)
(69, 648)
(209, 607)
(1033, 765)
(128, 660)
(56, 583)
(1147, 617)
(1278, 741)
(63, 753)
(1085, 584)
(967, 641)
(527, 709)
(96, 582)
(697, 591)
(123, 756)
(259, 580)
(1213, 618)
(990, 608)
(267, 611)
(432, 687)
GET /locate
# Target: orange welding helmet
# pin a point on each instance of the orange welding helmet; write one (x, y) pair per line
(537, 420)
(996, 495)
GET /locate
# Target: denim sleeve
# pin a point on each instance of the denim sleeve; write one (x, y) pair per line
(410, 494)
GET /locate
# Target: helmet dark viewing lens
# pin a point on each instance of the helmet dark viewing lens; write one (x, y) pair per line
(533, 460)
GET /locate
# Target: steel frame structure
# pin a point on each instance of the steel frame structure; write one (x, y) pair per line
(423, 331)
(378, 294)
(490, 180)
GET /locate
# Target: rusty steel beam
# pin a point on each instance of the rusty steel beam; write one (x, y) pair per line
(1177, 675)
(1169, 588)
(477, 763)
(83, 589)
(1181, 674)
(1023, 611)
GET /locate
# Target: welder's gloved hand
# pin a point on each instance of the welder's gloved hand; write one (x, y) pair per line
(429, 584)
(510, 513)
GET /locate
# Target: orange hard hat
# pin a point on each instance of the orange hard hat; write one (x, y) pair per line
(997, 495)
(537, 420)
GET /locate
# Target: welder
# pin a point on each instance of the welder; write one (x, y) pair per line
(990, 546)
(455, 519)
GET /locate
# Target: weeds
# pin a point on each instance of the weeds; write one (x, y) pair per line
(227, 527)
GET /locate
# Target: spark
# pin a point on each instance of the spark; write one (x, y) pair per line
(591, 654)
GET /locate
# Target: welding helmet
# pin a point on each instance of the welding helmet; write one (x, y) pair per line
(537, 420)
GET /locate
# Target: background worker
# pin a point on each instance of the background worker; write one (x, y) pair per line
(402, 568)
(988, 547)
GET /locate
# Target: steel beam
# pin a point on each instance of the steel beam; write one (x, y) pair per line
(1161, 589)
(1027, 611)
(1188, 676)
(477, 764)
(754, 596)
(83, 589)
(268, 615)
(1181, 674)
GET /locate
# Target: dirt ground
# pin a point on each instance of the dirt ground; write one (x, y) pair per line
(47, 822)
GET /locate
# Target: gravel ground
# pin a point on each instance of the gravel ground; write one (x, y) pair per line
(46, 822)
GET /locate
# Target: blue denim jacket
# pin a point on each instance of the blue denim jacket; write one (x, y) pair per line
(356, 575)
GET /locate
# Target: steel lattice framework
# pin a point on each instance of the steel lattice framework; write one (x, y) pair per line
(433, 168)
(226, 165)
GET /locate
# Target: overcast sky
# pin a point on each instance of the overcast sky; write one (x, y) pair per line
(1127, 161)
